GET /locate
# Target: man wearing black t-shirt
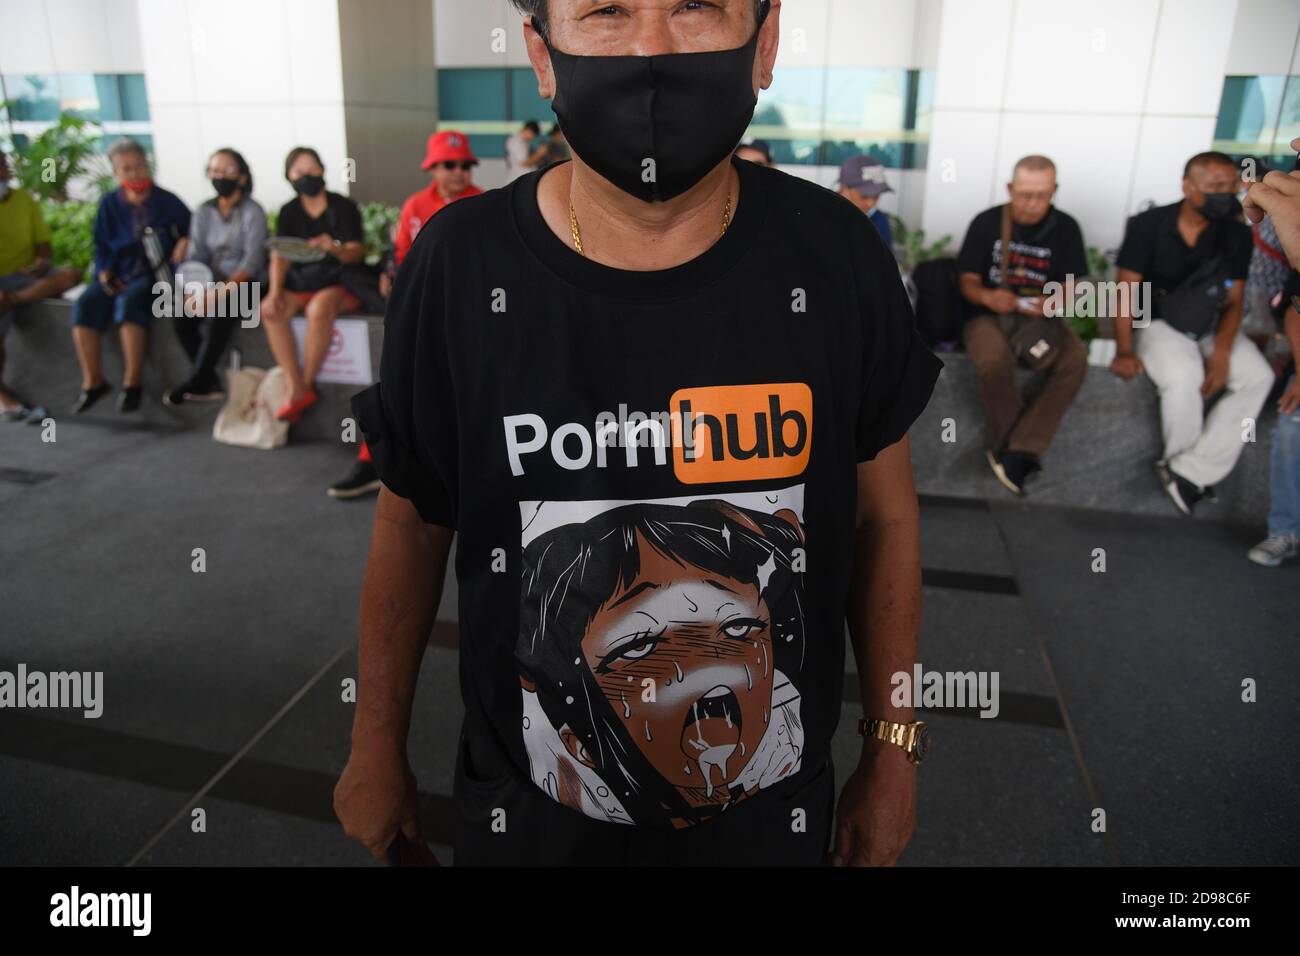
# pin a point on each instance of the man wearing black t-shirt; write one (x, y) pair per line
(1046, 245)
(662, 399)
(1195, 254)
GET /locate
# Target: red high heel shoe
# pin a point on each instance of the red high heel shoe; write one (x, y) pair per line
(292, 412)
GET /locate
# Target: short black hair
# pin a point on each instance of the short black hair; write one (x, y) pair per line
(532, 126)
(1207, 158)
(300, 151)
(536, 9)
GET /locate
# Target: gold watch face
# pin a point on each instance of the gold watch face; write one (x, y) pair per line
(920, 742)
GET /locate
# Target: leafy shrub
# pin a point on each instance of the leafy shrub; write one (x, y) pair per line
(909, 245)
(71, 227)
(379, 219)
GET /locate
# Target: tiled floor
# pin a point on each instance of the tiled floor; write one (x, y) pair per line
(1120, 690)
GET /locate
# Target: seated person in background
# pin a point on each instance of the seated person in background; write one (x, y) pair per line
(1193, 346)
(25, 272)
(450, 163)
(332, 224)
(122, 293)
(1046, 245)
(1268, 273)
(1277, 195)
(1283, 541)
(862, 182)
(228, 235)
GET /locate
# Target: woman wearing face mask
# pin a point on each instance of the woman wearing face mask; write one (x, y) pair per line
(139, 229)
(331, 223)
(228, 236)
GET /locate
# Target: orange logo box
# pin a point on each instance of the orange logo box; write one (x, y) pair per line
(741, 432)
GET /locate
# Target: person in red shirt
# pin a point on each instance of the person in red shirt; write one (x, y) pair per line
(450, 164)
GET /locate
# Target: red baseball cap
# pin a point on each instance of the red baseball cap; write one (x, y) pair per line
(448, 145)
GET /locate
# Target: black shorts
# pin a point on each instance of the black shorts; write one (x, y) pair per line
(503, 819)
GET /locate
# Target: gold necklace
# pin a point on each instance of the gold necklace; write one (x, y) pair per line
(577, 233)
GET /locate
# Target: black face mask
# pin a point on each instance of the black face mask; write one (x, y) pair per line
(1219, 206)
(225, 187)
(309, 185)
(655, 125)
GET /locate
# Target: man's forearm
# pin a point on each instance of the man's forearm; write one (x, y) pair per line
(1230, 323)
(399, 603)
(885, 612)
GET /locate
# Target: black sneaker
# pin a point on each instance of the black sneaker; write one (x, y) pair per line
(363, 479)
(1183, 493)
(205, 393)
(89, 396)
(174, 397)
(204, 388)
(1013, 468)
(129, 399)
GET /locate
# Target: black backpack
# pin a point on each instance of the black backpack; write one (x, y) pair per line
(940, 311)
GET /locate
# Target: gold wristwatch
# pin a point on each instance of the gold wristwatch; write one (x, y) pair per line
(914, 738)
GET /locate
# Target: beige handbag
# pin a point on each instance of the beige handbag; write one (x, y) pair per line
(248, 417)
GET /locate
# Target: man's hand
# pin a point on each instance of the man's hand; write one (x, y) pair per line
(1002, 300)
(107, 282)
(324, 242)
(1036, 305)
(1290, 399)
(1216, 372)
(1127, 366)
(1278, 195)
(377, 796)
(876, 816)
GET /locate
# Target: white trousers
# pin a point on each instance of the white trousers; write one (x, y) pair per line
(1203, 449)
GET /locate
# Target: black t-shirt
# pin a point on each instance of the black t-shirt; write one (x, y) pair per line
(1155, 249)
(341, 220)
(1045, 252)
(648, 631)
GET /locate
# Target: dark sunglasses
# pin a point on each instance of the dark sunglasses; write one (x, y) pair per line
(463, 165)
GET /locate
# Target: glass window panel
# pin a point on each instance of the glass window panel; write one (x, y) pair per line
(868, 99)
(525, 104)
(33, 97)
(133, 97)
(472, 94)
(78, 93)
(486, 146)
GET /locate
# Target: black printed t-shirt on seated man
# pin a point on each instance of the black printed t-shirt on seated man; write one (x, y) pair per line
(649, 632)
(1044, 252)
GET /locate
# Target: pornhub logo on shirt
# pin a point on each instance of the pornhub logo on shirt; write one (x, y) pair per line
(743, 432)
(716, 433)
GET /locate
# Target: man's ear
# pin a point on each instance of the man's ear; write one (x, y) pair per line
(769, 39)
(540, 58)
